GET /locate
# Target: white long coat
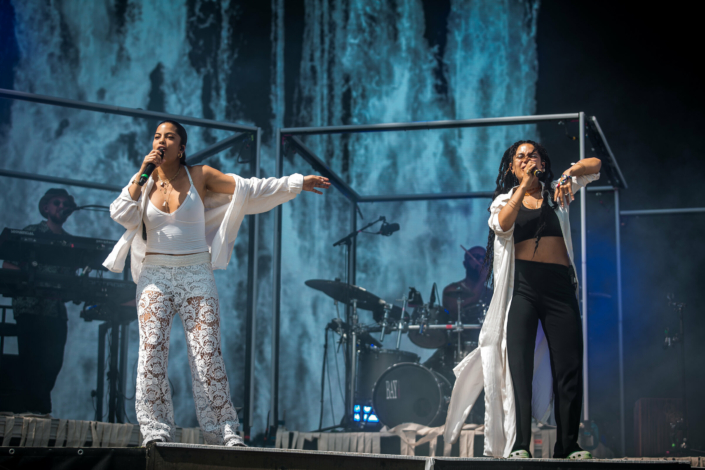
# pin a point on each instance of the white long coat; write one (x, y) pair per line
(224, 215)
(487, 366)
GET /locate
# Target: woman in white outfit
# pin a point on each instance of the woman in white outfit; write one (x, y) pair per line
(181, 225)
(529, 358)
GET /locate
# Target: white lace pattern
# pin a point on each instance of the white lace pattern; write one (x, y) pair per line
(189, 290)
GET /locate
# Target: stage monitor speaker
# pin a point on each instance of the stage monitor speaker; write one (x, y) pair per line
(657, 426)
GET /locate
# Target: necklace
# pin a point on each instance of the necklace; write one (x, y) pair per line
(528, 193)
(168, 181)
(538, 201)
(168, 186)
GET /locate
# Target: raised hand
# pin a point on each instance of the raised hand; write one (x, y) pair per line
(311, 182)
(564, 192)
(152, 157)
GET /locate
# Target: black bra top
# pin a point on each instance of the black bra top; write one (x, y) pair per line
(528, 222)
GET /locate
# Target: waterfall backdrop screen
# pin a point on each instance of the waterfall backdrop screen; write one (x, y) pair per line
(273, 64)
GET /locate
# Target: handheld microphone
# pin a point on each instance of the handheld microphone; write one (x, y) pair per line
(388, 229)
(537, 173)
(148, 170)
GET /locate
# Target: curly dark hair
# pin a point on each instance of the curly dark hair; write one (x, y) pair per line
(505, 182)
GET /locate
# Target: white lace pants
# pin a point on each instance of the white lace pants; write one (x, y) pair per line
(168, 284)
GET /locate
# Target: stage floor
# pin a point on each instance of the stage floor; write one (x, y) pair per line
(163, 456)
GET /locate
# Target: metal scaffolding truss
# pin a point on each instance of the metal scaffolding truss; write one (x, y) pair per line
(289, 137)
(242, 133)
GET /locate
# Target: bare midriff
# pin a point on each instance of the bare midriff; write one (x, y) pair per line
(550, 250)
(171, 254)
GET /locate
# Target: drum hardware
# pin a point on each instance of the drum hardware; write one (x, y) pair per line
(403, 325)
(387, 309)
(353, 362)
(367, 358)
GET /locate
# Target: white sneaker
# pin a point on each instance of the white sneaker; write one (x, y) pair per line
(236, 442)
(580, 455)
(520, 454)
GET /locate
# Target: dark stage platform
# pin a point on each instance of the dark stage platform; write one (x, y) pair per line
(164, 456)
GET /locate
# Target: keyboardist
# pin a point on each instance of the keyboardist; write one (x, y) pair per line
(42, 323)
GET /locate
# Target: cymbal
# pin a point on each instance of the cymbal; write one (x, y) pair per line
(345, 293)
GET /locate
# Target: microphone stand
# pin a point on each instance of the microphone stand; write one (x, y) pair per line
(351, 319)
(347, 239)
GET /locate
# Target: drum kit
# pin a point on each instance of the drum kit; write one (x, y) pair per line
(390, 386)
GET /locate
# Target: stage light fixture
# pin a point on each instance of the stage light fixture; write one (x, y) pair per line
(356, 417)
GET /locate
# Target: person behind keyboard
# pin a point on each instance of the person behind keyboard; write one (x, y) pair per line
(41, 322)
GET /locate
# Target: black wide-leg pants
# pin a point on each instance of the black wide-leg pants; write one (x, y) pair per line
(544, 291)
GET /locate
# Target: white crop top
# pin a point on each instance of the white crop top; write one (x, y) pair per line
(181, 232)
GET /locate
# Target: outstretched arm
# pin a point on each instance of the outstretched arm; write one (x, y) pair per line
(311, 182)
(564, 191)
(218, 182)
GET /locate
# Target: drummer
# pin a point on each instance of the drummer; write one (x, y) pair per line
(470, 290)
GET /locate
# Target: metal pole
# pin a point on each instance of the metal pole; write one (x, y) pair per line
(690, 210)
(216, 148)
(426, 197)
(618, 233)
(122, 371)
(100, 385)
(118, 110)
(583, 274)
(251, 318)
(113, 371)
(66, 181)
(351, 313)
(425, 125)
(276, 291)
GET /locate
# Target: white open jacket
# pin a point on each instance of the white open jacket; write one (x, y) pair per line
(224, 214)
(487, 366)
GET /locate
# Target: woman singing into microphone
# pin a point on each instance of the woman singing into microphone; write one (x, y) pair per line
(181, 225)
(530, 257)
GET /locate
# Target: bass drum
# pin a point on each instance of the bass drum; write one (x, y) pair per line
(411, 393)
(372, 362)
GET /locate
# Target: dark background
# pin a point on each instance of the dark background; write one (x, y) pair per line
(637, 70)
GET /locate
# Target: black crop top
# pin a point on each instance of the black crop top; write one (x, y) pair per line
(528, 222)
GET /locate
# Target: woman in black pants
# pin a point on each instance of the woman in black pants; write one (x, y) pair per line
(544, 290)
(530, 256)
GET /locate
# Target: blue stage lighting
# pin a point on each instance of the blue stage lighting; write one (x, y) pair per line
(373, 419)
(356, 408)
(367, 409)
(356, 417)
